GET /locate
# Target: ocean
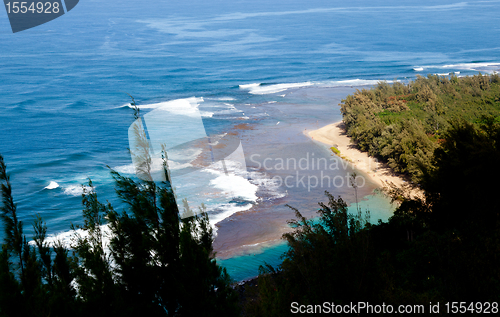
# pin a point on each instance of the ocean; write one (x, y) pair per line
(264, 71)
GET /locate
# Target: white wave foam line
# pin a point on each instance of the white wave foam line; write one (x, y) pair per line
(418, 69)
(258, 89)
(52, 185)
(349, 83)
(485, 67)
(471, 66)
(185, 106)
(258, 180)
(227, 211)
(249, 86)
(67, 237)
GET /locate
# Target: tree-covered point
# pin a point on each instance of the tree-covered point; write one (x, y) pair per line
(404, 123)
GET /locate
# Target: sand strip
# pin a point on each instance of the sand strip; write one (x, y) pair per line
(335, 135)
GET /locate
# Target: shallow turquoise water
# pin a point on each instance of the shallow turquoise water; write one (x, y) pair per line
(247, 266)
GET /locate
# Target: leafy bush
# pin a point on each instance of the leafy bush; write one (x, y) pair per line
(403, 124)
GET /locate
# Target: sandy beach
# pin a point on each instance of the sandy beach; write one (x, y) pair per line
(334, 135)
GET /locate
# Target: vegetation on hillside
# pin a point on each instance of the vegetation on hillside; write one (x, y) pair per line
(155, 264)
(440, 248)
(403, 124)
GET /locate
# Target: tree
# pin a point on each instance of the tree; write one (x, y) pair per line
(144, 260)
(329, 260)
(32, 281)
(462, 181)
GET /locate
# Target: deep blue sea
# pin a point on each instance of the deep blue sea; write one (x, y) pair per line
(277, 66)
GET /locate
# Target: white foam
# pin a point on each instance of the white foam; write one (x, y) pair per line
(471, 66)
(125, 169)
(206, 114)
(418, 69)
(249, 86)
(75, 190)
(52, 185)
(349, 83)
(67, 237)
(258, 89)
(228, 111)
(227, 211)
(486, 67)
(234, 185)
(185, 106)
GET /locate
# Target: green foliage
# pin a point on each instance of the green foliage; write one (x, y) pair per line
(140, 261)
(13, 227)
(404, 124)
(328, 260)
(442, 247)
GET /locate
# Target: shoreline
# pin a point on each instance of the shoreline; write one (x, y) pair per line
(261, 227)
(334, 135)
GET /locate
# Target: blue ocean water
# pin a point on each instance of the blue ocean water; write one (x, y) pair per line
(64, 114)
